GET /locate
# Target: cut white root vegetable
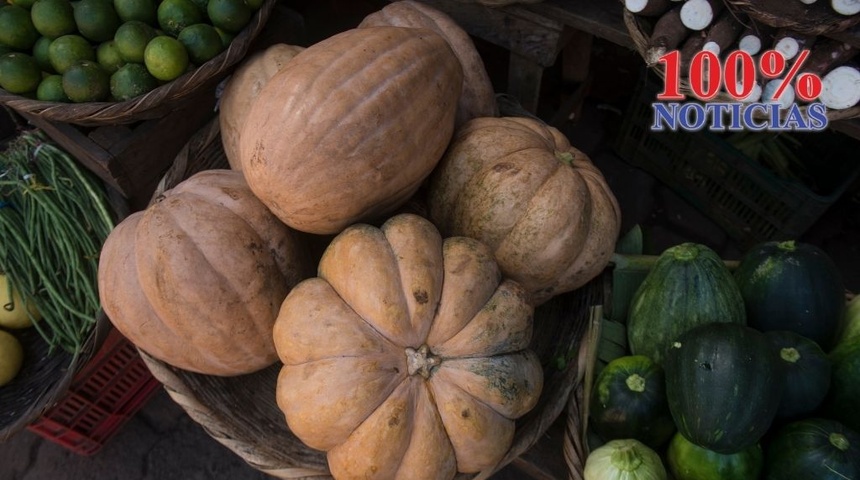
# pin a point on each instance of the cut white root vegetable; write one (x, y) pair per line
(808, 2)
(788, 47)
(785, 100)
(667, 35)
(754, 95)
(647, 8)
(846, 7)
(750, 43)
(698, 14)
(841, 88)
(712, 47)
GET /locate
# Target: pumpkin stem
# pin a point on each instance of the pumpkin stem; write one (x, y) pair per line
(789, 354)
(839, 441)
(685, 251)
(788, 245)
(421, 361)
(564, 157)
(626, 458)
(635, 383)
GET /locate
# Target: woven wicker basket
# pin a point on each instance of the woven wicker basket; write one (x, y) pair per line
(814, 19)
(155, 103)
(640, 32)
(44, 378)
(241, 413)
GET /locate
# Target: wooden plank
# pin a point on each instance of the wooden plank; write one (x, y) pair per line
(521, 31)
(524, 81)
(850, 36)
(601, 18)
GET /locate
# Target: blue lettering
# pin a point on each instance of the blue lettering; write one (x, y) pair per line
(662, 116)
(749, 117)
(697, 111)
(794, 119)
(775, 109)
(717, 111)
(736, 117)
(817, 113)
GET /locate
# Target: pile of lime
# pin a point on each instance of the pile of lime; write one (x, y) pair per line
(110, 50)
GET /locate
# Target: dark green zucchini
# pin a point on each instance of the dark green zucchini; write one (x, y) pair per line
(813, 449)
(688, 461)
(807, 372)
(628, 400)
(688, 286)
(792, 286)
(723, 384)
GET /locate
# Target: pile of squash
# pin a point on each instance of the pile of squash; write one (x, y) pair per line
(742, 373)
(405, 345)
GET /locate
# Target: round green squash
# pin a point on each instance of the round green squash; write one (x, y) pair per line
(629, 401)
(688, 461)
(792, 286)
(806, 369)
(688, 286)
(843, 398)
(723, 385)
(813, 449)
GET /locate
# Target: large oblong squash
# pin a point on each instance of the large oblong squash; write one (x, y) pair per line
(197, 279)
(477, 98)
(351, 126)
(243, 88)
(517, 185)
(407, 357)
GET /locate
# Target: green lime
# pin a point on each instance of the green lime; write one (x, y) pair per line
(254, 4)
(140, 10)
(16, 28)
(130, 81)
(53, 18)
(19, 73)
(174, 15)
(69, 50)
(202, 42)
(51, 90)
(11, 357)
(226, 37)
(96, 19)
(86, 81)
(230, 15)
(107, 54)
(22, 3)
(131, 39)
(166, 58)
(40, 53)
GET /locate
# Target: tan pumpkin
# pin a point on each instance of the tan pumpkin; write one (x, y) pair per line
(407, 357)
(242, 89)
(197, 279)
(477, 98)
(349, 129)
(543, 208)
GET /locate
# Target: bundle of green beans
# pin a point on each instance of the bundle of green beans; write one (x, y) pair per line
(54, 218)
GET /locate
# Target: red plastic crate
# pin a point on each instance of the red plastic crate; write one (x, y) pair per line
(105, 394)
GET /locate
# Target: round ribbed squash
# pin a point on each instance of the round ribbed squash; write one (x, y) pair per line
(242, 89)
(477, 98)
(348, 130)
(407, 357)
(544, 209)
(197, 279)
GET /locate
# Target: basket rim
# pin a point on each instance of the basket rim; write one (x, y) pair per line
(145, 106)
(557, 388)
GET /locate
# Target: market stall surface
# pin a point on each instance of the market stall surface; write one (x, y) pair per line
(162, 443)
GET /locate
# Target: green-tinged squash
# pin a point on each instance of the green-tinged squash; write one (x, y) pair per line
(813, 449)
(629, 401)
(624, 459)
(850, 327)
(723, 384)
(806, 369)
(843, 398)
(688, 461)
(688, 286)
(792, 286)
